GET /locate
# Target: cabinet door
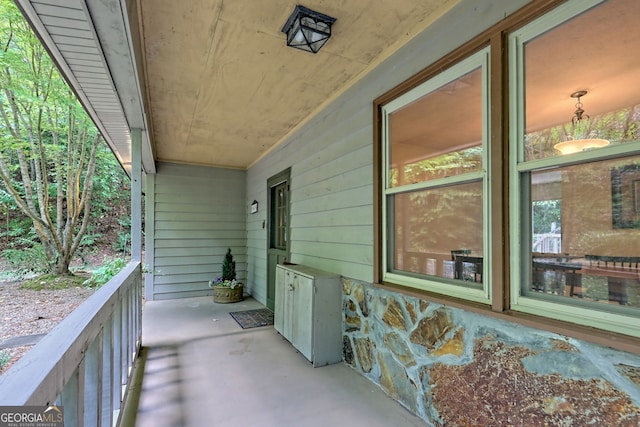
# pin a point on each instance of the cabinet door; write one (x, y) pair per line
(302, 316)
(278, 314)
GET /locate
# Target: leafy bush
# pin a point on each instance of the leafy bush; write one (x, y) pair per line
(103, 274)
(124, 237)
(5, 358)
(29, 260)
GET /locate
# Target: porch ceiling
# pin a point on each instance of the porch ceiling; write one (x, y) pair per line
(212, 82)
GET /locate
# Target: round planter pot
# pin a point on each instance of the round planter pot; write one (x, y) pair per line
(225, 295)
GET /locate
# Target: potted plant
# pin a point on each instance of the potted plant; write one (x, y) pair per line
(226, 288)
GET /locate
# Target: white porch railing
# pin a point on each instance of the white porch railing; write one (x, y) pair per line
(550, 243)
(84, 363)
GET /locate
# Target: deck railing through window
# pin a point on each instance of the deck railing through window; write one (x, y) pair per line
(85, 362)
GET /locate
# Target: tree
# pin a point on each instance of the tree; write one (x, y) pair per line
(48, 144)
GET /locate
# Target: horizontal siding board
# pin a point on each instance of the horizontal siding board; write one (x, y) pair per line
(184, 287)
(358, 159)
(179, 226)
(357, 215)
(211, 270)
(195, 280)
(358, 196)
(353, 178)
(198, 213)
(237, 245)
(360, 254)
(213, 235)
(165, 215)
(355, 234)
(183, 294)
(193, 261)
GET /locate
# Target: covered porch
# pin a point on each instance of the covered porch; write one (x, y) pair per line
(222, 126)
(201, 368)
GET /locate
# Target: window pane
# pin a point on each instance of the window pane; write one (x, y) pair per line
(279, 224)
(439, 135)
(591, 52)
(598, 207)
(428, 225)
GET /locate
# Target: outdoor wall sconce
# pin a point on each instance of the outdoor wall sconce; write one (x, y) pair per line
(576, 145)
(307, 30)
(254, 207)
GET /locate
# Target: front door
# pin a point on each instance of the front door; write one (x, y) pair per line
(278, 239)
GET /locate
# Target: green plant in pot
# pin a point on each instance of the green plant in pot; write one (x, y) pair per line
(226, 288)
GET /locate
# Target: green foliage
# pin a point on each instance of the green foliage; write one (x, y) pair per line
(228, 267)
(546, 213)
(20, 230)
(124, 237)
(49, 146)
(29, 260)
(103, 274)
(123, 242)
(5, 358)
(110, 184)
(90, 239)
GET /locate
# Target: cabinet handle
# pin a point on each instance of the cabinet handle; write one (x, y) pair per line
(291, 288)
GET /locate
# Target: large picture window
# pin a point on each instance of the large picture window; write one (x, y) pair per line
(574, 166)
(533, 209)
(435, 142)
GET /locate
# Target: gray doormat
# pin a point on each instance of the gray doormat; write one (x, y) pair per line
(20, 341)
(253, 318)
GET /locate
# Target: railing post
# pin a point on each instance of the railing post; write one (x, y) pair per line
(93, 382)
(124, 338)
(107, 378)
(117, 354)
(70, 399)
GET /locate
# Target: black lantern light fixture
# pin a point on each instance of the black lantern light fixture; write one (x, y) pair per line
(307, 30)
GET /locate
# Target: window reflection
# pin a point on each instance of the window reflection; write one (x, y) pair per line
(439, 135)
(430, 225)
(599, 261)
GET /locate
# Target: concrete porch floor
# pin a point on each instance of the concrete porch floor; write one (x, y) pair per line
(202, 369)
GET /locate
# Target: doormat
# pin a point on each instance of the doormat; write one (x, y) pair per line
(253, 318)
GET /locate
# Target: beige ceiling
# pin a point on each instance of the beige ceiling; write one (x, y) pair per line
(223, 88)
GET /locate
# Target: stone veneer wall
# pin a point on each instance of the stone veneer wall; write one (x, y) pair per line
(457, 368)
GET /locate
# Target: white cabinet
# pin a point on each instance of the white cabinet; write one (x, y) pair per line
(308, 312)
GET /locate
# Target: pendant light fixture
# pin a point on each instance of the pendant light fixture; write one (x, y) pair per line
(580, 122)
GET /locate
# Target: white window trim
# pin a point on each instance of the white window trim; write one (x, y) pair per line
(588, 316)
(443, 286)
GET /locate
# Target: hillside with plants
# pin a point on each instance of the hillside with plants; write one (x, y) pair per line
(63, 195)
(64, 198)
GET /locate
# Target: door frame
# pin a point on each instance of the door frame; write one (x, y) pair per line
(277, 256)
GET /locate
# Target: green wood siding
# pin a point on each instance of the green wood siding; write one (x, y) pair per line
(199, 212)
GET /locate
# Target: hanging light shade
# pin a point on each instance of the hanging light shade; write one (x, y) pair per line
(579, 120)
(307, 30)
